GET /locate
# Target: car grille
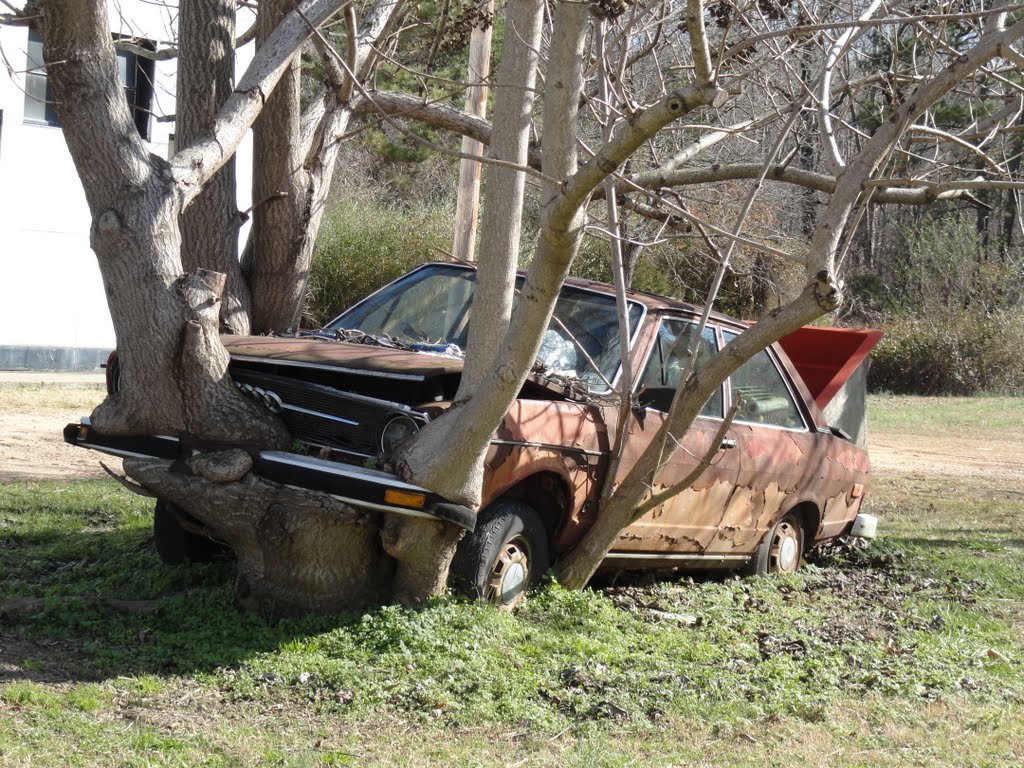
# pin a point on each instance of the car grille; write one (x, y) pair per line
(321, 415)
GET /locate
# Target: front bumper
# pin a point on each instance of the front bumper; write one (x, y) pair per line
(357, 486)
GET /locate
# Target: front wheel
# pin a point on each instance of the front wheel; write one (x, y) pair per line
(504, 557)
(781, 549)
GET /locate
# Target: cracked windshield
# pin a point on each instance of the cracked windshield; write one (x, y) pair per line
(430, 308)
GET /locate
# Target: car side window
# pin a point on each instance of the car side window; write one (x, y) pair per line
(766, 398)
(668, 361)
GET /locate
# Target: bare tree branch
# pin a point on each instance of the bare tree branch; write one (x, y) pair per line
(699, 42)
(835, 53)
(924, 192)
(803, 30)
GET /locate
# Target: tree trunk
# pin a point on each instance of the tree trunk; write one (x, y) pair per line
(206, 73)
(446, 456)
(275, 263)
(298, 551)
(173, 370)
(468, 199)
(503, 206)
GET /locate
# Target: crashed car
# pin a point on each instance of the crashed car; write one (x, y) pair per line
(782, 481)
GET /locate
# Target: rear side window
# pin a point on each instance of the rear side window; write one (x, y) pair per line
(667, 363)
(766, 397)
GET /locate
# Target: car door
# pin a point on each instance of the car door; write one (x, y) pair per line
(688, 522)
(773, 450)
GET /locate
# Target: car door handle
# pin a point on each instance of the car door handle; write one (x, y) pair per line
(728, 444)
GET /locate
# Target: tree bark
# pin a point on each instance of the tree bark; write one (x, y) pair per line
(462, 434)
(296, 156)
(467, 202)
(503, 205)
(273, 263)
(173, 374)
(206, 73)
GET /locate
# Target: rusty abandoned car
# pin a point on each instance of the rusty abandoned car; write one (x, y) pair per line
(781, 482)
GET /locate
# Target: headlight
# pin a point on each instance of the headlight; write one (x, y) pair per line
(397, 430)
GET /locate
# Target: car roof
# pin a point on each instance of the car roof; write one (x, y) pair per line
(652, 301)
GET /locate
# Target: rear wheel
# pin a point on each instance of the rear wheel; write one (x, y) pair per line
(504, 557)
(176, 545)
(781, 549)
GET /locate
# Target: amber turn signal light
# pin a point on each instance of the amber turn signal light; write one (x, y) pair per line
(405, 499)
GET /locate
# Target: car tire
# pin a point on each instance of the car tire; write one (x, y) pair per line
(174, 544)
(504, 557)
(781, 549)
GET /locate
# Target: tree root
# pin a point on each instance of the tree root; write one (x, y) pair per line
(302, 552)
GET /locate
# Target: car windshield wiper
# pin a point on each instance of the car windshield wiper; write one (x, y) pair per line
(356, 336)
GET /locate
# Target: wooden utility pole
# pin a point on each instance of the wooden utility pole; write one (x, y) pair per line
(468, 204)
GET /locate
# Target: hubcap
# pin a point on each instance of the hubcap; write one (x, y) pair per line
(510, 575)
(785, 552)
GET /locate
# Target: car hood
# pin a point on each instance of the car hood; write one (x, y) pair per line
(339, 354)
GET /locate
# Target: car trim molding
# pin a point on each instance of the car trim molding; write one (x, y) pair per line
(550, 446)
(615, 554)
(323, 367)
(321, 414)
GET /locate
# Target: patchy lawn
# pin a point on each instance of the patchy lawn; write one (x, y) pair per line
(906, 653)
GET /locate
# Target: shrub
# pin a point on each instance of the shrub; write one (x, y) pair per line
(756, 285)
(364, 244)
(957, 354)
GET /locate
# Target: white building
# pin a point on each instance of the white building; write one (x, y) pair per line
(54, 315)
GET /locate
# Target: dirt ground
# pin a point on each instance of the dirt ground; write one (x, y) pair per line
(31, 434)
(948, 456)
(32, 446)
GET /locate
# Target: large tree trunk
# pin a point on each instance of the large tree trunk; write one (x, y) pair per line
(173, 375)
(206, 73)
(301, 552)
(446, 456)
(297, 552)
(296, 155)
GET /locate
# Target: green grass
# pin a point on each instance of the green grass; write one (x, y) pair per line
(907, 653)
(995, 415)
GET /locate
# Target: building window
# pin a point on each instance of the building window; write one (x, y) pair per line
(135, 72)
(39, 106)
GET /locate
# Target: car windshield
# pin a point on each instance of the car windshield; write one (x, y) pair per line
(429, 308)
